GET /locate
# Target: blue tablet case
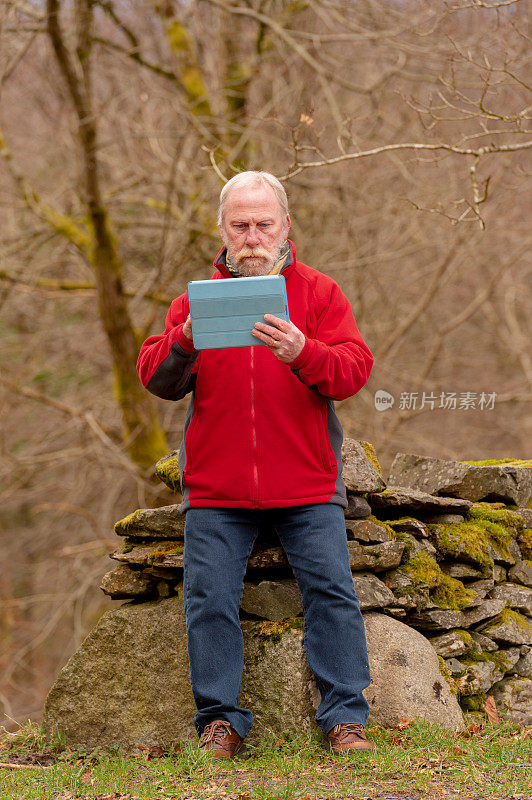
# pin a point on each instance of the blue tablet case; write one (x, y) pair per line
(223, 312)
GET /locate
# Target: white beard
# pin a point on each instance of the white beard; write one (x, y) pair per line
(250, 267)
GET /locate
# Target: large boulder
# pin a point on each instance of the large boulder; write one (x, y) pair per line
(406, 682)
(128, 683)
(511, 483)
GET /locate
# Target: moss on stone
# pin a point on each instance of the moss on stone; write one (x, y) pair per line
(401, 521)
(386, 524)
(123, 525)
(164, 549)
(509, 616)
(524, 541)
(409, 542)
(466, 637)
(451, 593)
(167, 471)
(127, 548)
(463, 540)
(504, 517)
(372, 456)
(490, 462)
(273, 631)
(447, 675)
(424, 570)
(473, 702)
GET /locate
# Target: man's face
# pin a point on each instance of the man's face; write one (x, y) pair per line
(254, 229)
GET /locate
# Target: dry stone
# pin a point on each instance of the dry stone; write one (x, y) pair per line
(509, 627)
(366, 531)
(375, 557)
(452, 643)
(165, 522)
(523, 667)
(437, 619)
(513, 698)
(409, 525)
(456, 569)
(167, 470)
(163, 554)
(123, 582)
(515, 596)
(505, 558)
(479, 677)
(371, 592)
(499, 573)
(454, 666)
(415, 500)
(406, 679)
(485, 610)
(361, 470)
(521, 573)
(483, 643)
(272, 600)
(508, 482)
(357, 507)
(480, 589)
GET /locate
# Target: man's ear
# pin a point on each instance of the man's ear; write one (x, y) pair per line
(288, 223)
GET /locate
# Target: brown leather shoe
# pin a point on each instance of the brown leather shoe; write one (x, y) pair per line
(349, 736)
(220, 739)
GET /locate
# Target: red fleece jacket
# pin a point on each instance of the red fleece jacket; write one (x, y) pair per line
(260, 433)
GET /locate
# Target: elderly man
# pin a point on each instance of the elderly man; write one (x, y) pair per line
(261, 449)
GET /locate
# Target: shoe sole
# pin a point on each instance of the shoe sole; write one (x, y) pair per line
(242, 753)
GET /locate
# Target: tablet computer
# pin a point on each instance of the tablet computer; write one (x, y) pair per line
(223, 312)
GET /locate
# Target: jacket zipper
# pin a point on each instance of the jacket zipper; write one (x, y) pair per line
(255, 488)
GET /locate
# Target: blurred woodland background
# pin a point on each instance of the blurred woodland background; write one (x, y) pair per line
(401, 129)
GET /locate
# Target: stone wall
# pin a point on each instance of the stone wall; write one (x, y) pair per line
(441, 552)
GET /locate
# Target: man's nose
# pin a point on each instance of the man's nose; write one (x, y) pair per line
(252, 238)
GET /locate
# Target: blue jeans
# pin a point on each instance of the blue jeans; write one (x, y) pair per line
(218, 542)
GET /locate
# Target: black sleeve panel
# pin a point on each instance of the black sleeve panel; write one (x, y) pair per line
(314, 387)
(174, 378)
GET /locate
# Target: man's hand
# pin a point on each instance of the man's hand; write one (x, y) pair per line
(187, 329)
(284, 340)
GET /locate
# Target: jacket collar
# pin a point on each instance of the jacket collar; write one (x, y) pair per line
(219, 261)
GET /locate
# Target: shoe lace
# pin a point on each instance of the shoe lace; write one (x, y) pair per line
(348, 728)
(215, 731)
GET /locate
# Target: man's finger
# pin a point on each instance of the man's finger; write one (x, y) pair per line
(269, 329)
(282, 324)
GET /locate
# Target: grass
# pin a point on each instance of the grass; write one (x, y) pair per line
(417, 761)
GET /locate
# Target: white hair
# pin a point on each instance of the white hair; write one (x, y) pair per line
(252, 178)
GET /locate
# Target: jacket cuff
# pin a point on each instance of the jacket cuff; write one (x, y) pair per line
(305, 355)
(182, 340)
